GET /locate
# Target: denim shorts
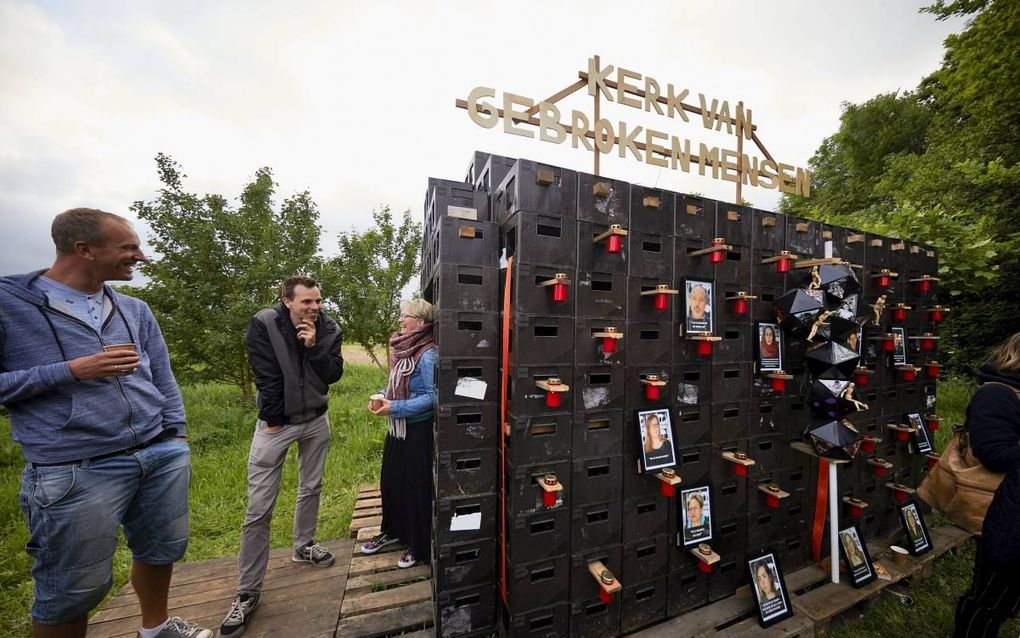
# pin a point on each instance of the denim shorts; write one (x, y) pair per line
(74, 512)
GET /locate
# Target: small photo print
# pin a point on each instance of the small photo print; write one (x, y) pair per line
(770, 350)
(899, 355)
(699, 306)
(918, 541)
(656, 433)
(697, 515)
(769, 589)
(853, 340)
(856, 557)
(921, 435)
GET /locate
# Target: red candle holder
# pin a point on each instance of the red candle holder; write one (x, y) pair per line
(878, 470)
(553, 387)
(718, 256)
(925, 283)
(704, 567)
(559, 292)
(613, 238)
(889, 343)
(862, 376)
(856, 512)
(605, 596)
(899, 313)
(933, 421)
(740, 462)
(661, 301)
(783, 263)
(550, 487)
(653, 385)
(778, 384)
(667, 490)
(706, 557)
(668, 479)
(652, 392)
(927, 342)
(740, 303)
(608, 337)
(901, 496)
(614, 244)
(932, 369)
(883, 278)
(855, 506)
(902, 436)
(608, 345)
(909, 373)
(868, 444)
(558, 284)
(552, 399)
(937, 313)
(771, 500)
(705, 348)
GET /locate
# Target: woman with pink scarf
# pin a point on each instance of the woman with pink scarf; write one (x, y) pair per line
(410, 399)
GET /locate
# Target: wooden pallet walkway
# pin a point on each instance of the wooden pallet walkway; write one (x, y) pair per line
(380, 599)
(816, 601)
(294, 595)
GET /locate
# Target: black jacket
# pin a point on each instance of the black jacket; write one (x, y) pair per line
(993, 418)
(296, 388)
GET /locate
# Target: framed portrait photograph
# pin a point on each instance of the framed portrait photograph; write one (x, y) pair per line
(769, 589)
(770, 347)
(656, 432)
(899, 355)
(921, 435)
(695, 515)
(856, 557)
(918, 539)
(699, 299)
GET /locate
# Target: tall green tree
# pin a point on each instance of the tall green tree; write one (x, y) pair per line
(364, 282)
(215, 265)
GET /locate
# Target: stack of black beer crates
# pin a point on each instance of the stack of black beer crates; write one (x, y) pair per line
(596, 334)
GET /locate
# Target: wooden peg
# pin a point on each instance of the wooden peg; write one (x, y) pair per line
(601, 189)
(545, 177)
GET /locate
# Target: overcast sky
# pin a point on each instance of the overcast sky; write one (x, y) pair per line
(354, 101)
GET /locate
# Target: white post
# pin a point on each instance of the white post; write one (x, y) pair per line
(833, 523)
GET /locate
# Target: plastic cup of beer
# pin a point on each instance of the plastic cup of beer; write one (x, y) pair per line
(110, 347)
(899, 555)
(376, 401)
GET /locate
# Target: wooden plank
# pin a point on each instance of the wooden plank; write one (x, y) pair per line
(395, 599)
(366, 534)
(368, 502)
(365, 583)
(358, 523)
(368, 487)
(387, 622)
(832, 599)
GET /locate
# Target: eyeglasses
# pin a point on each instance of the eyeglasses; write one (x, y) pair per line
(406, 316)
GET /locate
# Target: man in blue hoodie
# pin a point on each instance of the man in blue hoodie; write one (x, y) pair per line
(85, 375)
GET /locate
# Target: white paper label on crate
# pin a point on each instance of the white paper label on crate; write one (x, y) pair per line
(828, 248)
(466, 522)
(462, 212)
(471, 388)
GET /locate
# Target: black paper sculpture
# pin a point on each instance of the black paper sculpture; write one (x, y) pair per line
(838, 281)
(798, 309)
(837, 439)
(831, 360)
(825, 399)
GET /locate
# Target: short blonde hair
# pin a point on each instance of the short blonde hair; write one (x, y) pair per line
(1006, 358)
(420, 308)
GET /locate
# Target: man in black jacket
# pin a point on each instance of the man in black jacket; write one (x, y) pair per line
(295, 351)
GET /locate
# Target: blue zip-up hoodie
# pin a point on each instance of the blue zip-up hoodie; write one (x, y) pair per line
(57, 418)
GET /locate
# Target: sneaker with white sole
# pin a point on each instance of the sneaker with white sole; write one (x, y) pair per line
(240, 613)
(313, 553)
(177, 627)
(377, 543)
(406, 560)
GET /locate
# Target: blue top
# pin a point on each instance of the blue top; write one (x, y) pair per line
(57, 418)
(422, 390)
(88, 308)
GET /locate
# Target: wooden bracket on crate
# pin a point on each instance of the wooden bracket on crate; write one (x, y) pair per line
(552, 384)
(605, 578)
(739, 458)
(669, 476)
(782, 255)
(661, 289)
(714, 248)
(827, 261)
(615, 229)
(559, 278)
(704, 553)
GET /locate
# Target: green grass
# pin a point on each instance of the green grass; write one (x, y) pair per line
(220, 427)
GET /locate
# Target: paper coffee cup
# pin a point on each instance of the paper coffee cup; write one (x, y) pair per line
(110, 347)
(899, 555)
(376, 400)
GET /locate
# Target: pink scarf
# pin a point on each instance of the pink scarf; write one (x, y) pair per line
(405, 351)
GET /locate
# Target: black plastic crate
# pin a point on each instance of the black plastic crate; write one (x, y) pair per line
(735, 344)
(731, 382)
(536, 188)
(464, 241)
(645, 559)
(590, 349)
(652, 307)
(523, 494)
(462, 287)
(764, 418)
(467, 333)
(768, 230)
(597, 433)
(729, 532)
(639, 395)
(596, 479)
(802, 236)
(687, 589)
(692, 425)
(767, 275)
(649, 343)
(726, 314)
(694, 216)
(487, 176)
(651, 210)
(730, 421)
(526, 398)
(541, 339)
(537, 535)
(600, 294)
(540, 239)
(764, 308)
(464, 564)
(651, 254)
(467, 426)
(469, 611)
(596, 255)
(462, 472)
(593, 618)
(690, 265)
(695, 463)
(636, 484)
(730, 494)
(603, 200)
(455, 518)
(595, 525)
(728, 574)
(767, 451)
(692, 384)
(643, 604)
(529, 296)
(645, 517)
(467, 379)
(447, 198)
(545, 622)
(538, 583)
(734, 223)
(545, 436)
(598, 387)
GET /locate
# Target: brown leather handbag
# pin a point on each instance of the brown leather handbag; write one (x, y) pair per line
(959, 486)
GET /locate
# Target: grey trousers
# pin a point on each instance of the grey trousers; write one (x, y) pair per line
(265, 468)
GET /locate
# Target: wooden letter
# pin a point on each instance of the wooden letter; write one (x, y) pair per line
(768, 174)
(579, 127)
(708, 155)
(482, 113)
(803, 182)
(549, 127)
(674, 102)
(597, 79)
(509, 114)
(707, 115)
(786, 183)
(605, 137)
(655, 154)
(627, 141)
(728, 161)
(622, 88)
(652, 93)
(681, 155)
(745, 125)
(750, 170)
(723, 117)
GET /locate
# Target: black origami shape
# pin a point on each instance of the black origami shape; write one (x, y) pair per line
(843, 319)
(831, 360)
(838, 281)
(837, 439)
(826, 401)
(798, 309)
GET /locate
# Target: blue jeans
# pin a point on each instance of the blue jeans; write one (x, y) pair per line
(74, 512)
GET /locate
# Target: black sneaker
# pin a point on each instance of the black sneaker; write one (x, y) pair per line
(179, 628)
(377, 543)
(313, 553)
(240, 613)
